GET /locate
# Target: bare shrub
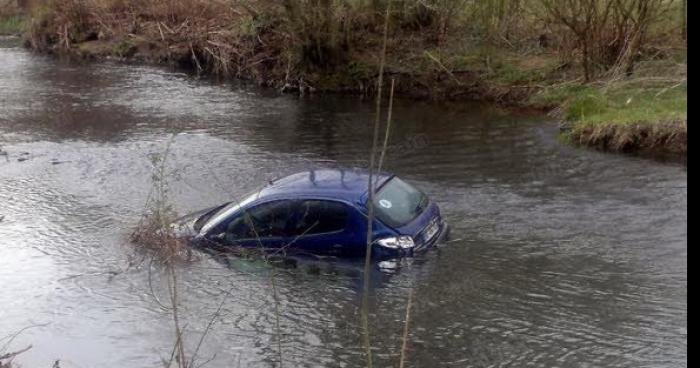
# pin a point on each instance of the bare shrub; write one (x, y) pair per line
(609, 34)
(155, 231)
(319, 27)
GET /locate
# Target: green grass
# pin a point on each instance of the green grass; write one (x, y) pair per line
(12, 24)
(628, 104)
(623, 102)
(504, 67)
(629, 117)
(557, 94)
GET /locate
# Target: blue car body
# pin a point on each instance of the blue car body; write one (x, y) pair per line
(324, 212)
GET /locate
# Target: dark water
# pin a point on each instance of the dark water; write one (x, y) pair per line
(563, 256)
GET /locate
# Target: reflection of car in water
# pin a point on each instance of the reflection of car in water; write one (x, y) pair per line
(323, 212)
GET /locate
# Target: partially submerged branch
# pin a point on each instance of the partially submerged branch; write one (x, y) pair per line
(6, 359)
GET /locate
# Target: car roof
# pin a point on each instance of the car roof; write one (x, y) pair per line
(343, 184)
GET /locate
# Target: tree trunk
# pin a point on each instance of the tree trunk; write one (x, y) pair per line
(631, 53)
(586, 61)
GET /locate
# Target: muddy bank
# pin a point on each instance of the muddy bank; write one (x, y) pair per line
(463, 85)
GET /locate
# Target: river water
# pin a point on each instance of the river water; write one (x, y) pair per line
(561, 256)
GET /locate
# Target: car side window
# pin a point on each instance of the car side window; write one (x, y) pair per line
(320, 217)
(267, 220)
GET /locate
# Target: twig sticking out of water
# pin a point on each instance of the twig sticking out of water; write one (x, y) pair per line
(154, 232)
(404, 344)
(13, 336)
(370, 199)
(388, 127)
(10, 356)
(6, 359)
(266, 258)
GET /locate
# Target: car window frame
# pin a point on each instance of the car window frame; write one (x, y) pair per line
(229, 211)
(245, 212)
(347, 216)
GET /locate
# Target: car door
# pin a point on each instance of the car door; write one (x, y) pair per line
(323, 227)
(264, 225)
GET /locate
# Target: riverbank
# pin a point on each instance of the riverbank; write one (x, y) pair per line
(431, 54)
(650, 120)
(547, 231)
(647, 114)
(12, 21)
(11, 25)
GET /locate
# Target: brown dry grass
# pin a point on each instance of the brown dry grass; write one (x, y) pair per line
(8, 8)
(160, 241)
(210, 36)
(156, 232)
(666, 137)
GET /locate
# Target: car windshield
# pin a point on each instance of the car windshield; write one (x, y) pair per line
(398, 203)
(208, 215)
(218, 214)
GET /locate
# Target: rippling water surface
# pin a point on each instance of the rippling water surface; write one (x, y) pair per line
(561, 256)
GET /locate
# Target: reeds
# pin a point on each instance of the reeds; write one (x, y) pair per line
(666, 137)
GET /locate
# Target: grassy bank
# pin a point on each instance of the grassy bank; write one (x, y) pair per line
(627, 80)
(647, 113)
(12, 20)
(623, 118)
(11, 25)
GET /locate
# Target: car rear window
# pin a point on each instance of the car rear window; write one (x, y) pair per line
(398, 203)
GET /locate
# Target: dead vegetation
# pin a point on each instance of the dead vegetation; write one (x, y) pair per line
(157, 241)
(609, 34)
(7, 355)
(667, 138)
(11, 18)
(155, 232)
(437, 49)
(6, 359)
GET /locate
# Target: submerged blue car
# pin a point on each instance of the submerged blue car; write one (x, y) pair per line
(323, 212)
